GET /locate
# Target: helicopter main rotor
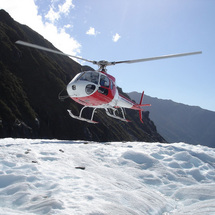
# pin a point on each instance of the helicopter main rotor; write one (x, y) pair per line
(103, 63)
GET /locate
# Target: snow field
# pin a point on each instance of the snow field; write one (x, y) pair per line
(77, 177)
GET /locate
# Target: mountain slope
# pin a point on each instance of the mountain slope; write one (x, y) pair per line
(181, 123)
(30, 83)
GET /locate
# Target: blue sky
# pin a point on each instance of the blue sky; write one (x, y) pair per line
(130, 29)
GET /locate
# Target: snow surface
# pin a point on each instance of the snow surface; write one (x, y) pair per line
(77, 177)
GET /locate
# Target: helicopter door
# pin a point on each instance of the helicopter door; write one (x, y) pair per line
(104, 85)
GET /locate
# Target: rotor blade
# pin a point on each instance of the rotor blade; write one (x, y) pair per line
(50, 50)
(157, 58)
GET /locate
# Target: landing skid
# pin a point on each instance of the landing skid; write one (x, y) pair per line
(81, 118)
(113, 114)
(110, 112)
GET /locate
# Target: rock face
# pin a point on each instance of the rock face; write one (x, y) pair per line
(177, 122)
(30, 83)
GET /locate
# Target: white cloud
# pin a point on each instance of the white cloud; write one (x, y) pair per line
(92, 31)
(64, 8)
(53, 15)
(116, 37)
(59, 38)
(67, 26)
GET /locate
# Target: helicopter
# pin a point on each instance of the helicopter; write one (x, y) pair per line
(97, 89)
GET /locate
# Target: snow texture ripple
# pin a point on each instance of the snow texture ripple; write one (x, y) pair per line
(77, 177)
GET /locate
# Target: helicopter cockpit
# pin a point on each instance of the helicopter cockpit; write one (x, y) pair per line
(90, 76)
(86, 83)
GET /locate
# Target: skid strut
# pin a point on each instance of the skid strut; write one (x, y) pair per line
(81, 118)
(113, 115)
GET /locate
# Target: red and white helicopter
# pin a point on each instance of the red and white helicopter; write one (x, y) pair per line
(97, 89)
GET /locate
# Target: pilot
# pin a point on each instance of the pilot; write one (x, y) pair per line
(104, 81)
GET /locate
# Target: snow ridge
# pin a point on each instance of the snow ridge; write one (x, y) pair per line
(77, 177)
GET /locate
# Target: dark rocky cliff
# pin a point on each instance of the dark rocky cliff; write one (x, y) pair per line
(30, 81)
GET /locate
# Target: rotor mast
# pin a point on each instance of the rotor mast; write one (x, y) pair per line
(103, 64)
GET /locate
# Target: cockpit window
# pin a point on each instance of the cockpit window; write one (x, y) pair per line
(104, 81)
(90, 76)
(77, 76)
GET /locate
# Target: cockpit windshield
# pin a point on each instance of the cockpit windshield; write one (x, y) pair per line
(90, 76)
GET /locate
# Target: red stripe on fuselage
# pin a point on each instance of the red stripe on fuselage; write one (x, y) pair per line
(96, 98)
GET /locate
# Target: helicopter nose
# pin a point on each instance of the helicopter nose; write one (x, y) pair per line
(80, 89)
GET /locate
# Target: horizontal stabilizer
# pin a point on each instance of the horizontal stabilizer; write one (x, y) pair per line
(144, 105)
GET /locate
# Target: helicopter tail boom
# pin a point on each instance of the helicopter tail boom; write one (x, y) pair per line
(127, 103)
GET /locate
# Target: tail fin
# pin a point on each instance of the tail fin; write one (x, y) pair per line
(142, 105)
(140, 111)
(141, 98)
